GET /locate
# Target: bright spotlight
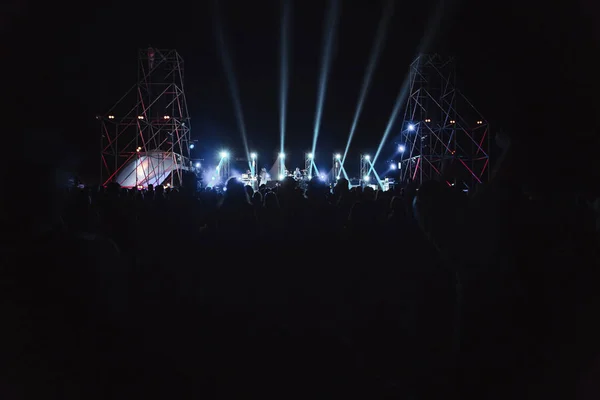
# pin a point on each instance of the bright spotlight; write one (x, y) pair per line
(322, 177)
(280, 177)
(282, 155)
(393, 166)
(338, 156)
(367, 178)
(311, 155)
(310, 177)
(337, 177)
(367, 157)
(224, 154)
(401, 149)
(192, 146)
(197, 165)
(411, 127)
(253, 156)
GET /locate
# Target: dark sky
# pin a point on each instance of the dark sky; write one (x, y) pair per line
(528, 66)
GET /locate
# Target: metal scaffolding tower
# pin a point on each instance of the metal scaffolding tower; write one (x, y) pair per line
(146, 135)
(336, 167)
(364, 169)
(308, 164)
(281, 166)
(444, 136)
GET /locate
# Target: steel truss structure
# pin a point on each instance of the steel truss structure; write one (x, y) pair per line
(365, 166)
(336, 167)
(308, 164)
(146, 135)
(445, 137)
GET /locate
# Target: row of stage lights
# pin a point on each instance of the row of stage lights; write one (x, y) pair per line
(401, 148)
(411, 127)
(165, 117)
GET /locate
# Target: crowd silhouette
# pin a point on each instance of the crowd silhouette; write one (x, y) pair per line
(417, 292)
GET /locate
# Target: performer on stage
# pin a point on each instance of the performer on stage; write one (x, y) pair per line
(297, 174)
(264, 177)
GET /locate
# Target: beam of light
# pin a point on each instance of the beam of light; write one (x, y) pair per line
(372, 170)
(314, 167)
(428, 36)
(373, 61)
(400, 99)
(344, 172)
(331, 22)
(231, 80)
(284, 70)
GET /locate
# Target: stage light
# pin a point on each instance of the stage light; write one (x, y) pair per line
(213, 178)
(338, 156)
(140, 117)
(322, 177)
(111, 117)
(282, 155)
(309, 177)
(224, 189)
(337, 177)
(166, 117)
(393, 166)
(366, 178)
(367, 157)
(192, 146)
(224, 154)
(253, 156)
(281, 177)
(401, 149)
(310, 155)
(411, 127)
(197, 165)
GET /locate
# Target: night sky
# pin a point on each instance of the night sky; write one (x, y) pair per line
(528, 66)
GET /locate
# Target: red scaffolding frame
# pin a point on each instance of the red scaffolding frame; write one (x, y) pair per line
(145, 136)
(444, 136)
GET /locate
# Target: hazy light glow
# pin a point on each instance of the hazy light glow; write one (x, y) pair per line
(376, 49)
(284, 70)
(231, 81)
(330, 28)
